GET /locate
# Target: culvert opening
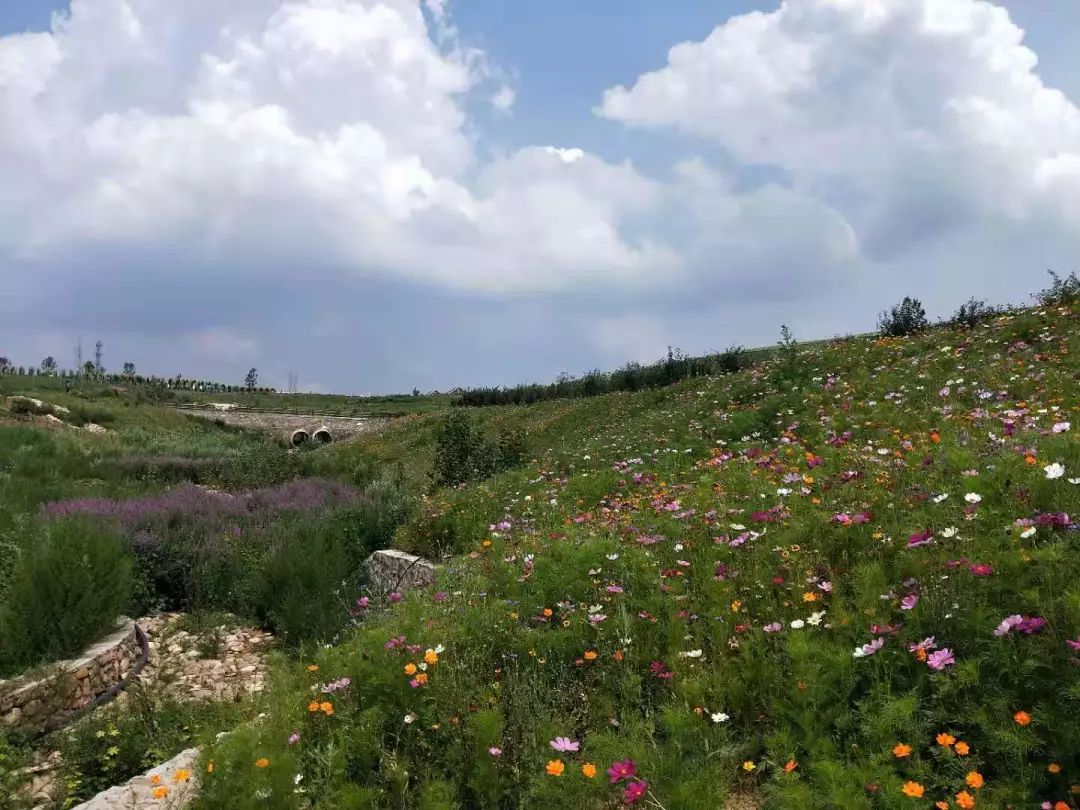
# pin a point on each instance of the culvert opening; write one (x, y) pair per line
(298, 438)
(323, 436)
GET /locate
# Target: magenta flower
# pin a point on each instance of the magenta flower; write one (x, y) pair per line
(634, 791)
(1030, 624)
(394, 597)
(614, 588)
(660, 670)
(940, 659)
(564, 744)
(1007, 624)
(495, 751)
(981, 569)
(909, 602)
(623, 769)
(1073, 645)
(294, 738)
(923, 538)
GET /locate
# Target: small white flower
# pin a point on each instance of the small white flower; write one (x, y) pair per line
(613, 557)
(678, 546)
(1054, 470)
(1061, 427)
(737, 527)
(814, 618)
(1073, 480)
(783, 491)
(798, 624)
(719, 717)
(410, 718)
(690, 654)
(973, 497)
(949, 532)
(1028, 532)
(940, 498)
(296, 780)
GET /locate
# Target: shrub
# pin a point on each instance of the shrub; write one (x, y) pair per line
(70, 583)
(973, 312)
(463, 453)
(1061, 290)
(906, 318)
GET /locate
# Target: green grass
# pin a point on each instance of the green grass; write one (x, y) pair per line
(693, 518)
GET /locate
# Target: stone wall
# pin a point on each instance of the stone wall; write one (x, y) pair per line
(46, 699)
(393, 570)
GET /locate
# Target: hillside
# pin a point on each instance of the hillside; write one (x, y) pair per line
(846, 576)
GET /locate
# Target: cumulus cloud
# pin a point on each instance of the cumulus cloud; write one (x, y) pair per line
(914, 117)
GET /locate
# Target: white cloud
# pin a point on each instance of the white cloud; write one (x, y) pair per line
(325, 132)
(913, 116)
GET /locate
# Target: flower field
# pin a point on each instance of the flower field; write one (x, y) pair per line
(848, 577)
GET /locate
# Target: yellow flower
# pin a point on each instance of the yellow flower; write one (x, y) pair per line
(748, 766)
(588, 770)
(431, 657)
(181, 775)
(210, 766)
(809, 596)
(160, 792)
(736, 606)
(555, 767)
(262, 762)
(312, 668)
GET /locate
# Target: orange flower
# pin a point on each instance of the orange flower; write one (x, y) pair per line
(945, 739)
(962, 748)
(590, 655)
(547, 612)
(326, 707)
(790, 766)
(431, 658)
(901, 750)
(617, 655)
(1053, 767)
(809, 596)
(312, 668)
(555, 767)
(914, 790)
(181, 775)
(421, 677)
(974, 780)
(313, 706)
(155, 779)
(935, 437)
(588, 770)
(941, 805)
(1060, 806)
(1022, 718)
(410, 668)
(210, 766)
(160, 792)
(964, 800)
(262, 762)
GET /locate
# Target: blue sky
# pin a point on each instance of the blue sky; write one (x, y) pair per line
(713, 196)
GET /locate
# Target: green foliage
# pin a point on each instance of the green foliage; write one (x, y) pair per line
(974, 312)
(1061, 292)
(66, 589)
(463, 453)
(906, 318)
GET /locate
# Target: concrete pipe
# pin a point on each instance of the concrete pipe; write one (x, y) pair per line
(298, 437)
(323, 436)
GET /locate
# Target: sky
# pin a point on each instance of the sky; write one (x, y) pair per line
(387, 194)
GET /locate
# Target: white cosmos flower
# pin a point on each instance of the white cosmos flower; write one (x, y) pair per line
(940, 498)
(410, 718)
(815, 618)
(1054, 470)
(1073, 480)
(1028, 532)
(690, 654)
(782, 491)
(949, 532)
(613, 557)
(798, 624)
(719, 717)
(973, 497)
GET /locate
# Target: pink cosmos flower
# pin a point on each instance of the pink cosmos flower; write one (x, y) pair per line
(394, 597)
(634, 791)
(294, 738)
(1007, 624)
(624, 769)
(564, 744)
(871, 648)
(495, 751)
(981, 569)
(773, 627)
(909, 602)
(614, 588)
(660, 670)
(940, 659)
(927, 644)
(923, 538)
(1073, 645)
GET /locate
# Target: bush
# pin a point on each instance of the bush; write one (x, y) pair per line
(906, 318)
(1061, 290)
(463, 453)
(69, 585)
(973, 312)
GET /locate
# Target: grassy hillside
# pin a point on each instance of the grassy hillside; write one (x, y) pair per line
(847, 577)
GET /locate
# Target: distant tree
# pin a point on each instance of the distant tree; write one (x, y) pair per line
(5, 364)
(416, 392)
(1061, 290)
(906, 318)
(48, 365)
(251, 380)
(89, 369)
(129, 369)
(99, 350)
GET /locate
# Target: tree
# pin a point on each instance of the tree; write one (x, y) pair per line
(906, 318)
(251, 380)
(129, 369)
(48, 365)
(5, 364)
(88, 368)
